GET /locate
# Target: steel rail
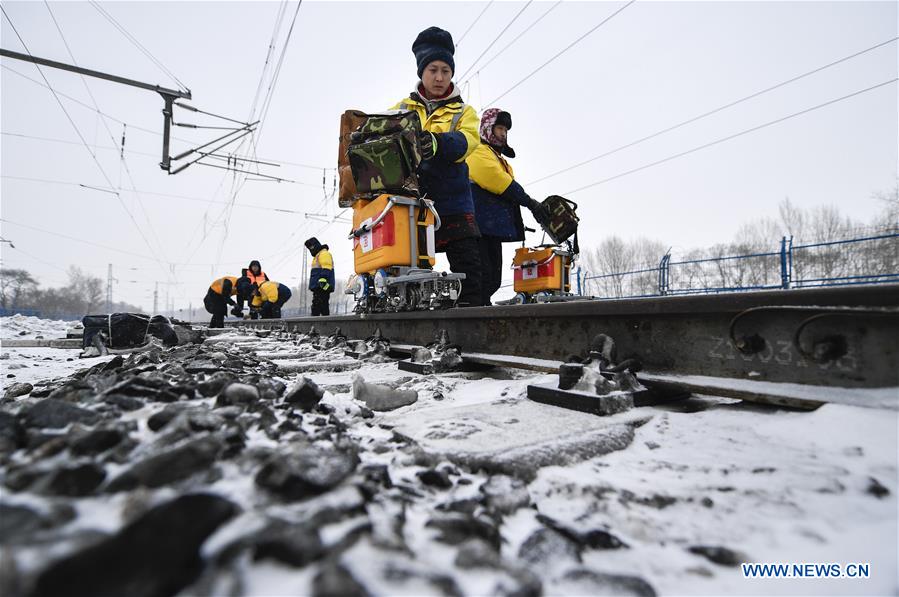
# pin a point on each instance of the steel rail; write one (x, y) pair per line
(675, 335)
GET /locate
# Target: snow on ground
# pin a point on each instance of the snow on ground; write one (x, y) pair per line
(767, 485)
(33, 365)
(26, 327)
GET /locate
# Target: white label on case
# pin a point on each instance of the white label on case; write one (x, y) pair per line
(365, 241)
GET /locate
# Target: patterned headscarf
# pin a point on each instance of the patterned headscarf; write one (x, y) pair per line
(488, 121)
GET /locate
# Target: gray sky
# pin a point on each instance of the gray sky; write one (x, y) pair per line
(652, 66)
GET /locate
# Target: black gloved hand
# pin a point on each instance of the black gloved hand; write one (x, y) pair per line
(237, 312)
(541, 214)
(428, 145)
(323, 284)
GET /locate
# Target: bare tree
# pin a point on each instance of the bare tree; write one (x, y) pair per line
(87, 291)
(828, 247)
(14, 284)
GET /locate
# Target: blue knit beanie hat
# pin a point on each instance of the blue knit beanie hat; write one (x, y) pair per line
(433, 44)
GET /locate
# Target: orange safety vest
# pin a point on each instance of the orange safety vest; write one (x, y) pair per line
(216, 286)
(256, 279)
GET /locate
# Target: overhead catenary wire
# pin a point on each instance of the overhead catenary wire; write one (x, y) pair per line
(122, 161)
(716, 110)
(199, 111)
(89, 107)
(232, 169)
(562, 51)
(137, 44)
(80, 136)
(517, 37)
(145, 192)
(473, 23)
(496, 39)
(733, 136)
(38, 259)
(237, 187)
(143, 129)
(119, 149)
(282, 10)
(270, 92)
(102, 246)
(254, 139)
(79, 240)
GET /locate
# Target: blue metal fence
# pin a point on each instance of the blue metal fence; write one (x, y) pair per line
(29, 312)
(866, 260)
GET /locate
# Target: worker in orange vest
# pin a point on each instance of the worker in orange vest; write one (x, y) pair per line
(218, 297)
(254, 273)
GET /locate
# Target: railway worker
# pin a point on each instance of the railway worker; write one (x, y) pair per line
(218, 297)
(268, 298)
(450, 134)
(498, 197)
(254, 273)
(321, 277)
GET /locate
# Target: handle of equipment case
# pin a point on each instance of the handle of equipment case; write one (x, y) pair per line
(366, 227)
(430, 205)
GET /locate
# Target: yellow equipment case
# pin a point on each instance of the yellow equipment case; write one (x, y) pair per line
(546, 270)
(398, 231)
(393, 225)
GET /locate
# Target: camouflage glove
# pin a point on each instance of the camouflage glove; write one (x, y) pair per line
(428, 145)
(323, 284)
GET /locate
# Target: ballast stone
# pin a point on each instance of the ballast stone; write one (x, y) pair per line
(381, 398)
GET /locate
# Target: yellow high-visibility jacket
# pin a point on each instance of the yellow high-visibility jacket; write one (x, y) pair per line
(268, 293)
(231, 286)
(444, 178)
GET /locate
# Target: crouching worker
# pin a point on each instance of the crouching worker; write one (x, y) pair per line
(268, 298)
(321, 277)
(218, 297)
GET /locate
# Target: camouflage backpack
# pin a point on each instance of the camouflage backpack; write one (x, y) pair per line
(384, 153)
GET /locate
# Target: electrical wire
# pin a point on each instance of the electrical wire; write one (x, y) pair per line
(477, 18)
(496, 39)
(79, 240)
(138, 45)
(122, 160)
(282, 11)
(254, 140)
(91, 108)
(734, 136)
(144, 192)
(565, 49)
(153, 155)
(80, 136)
(716, 110)
(517, 37)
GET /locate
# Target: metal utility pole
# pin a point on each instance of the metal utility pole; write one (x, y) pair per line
(109, 280)
(304, 284)
(156, 299)
(168, 95)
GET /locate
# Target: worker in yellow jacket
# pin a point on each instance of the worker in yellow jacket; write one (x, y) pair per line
(268, 297)
(321, 276)
(450, 135)
(498, 197)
